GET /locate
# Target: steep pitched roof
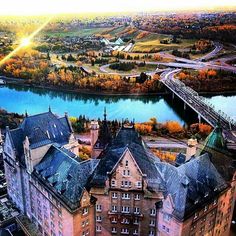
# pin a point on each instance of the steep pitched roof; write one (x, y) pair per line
(41, 129)
(127, 139)
(64, 175)
(221, 157)
(192, 184)
(216, 140)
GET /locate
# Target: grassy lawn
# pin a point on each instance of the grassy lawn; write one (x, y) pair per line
(80, 32)
(152, 42)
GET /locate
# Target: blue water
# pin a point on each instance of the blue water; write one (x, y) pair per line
(227, 104)
(18, 99)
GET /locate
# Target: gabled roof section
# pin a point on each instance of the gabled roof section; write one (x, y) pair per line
(65, 176)
(127, 138)
(192, 184)
(41, 129)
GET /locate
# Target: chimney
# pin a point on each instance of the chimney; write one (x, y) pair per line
(94, 132)
(191, 149)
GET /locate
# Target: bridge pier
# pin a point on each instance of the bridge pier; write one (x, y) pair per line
(199, 118)
(173, 96)
(184, 106)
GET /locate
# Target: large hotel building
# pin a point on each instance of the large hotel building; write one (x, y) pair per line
(123, 190)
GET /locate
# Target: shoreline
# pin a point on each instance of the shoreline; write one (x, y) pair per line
(21, 82)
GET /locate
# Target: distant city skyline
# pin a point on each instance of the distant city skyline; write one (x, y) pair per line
(25, 7)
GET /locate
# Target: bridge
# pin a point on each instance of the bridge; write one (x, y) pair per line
(197, 103)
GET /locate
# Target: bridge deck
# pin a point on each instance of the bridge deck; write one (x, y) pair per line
(191, 98)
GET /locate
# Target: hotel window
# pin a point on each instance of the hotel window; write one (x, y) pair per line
(58, 205)
(87, 222)
(114, 208)
(98, 228)
(60, 225)
(136, 210)
(98, 218)
(125, 196)
(114, 195)
(85, 211)
(125, 221)
(59, 214)
(83, 223)
(52, 225)
(152, 223)
(98, 208)
(151, 232)
(138, 184)
(202, 229)
(113, 183)
(113, 220)
(153, 212)
(136, 197)
(126, 184)
(205, 208)
(126, 163)
(136, 221)
(125, 209)
(113, 230)
(126, 172)
(124, 231)
(215, 201)
(135, 232)
(195, 216)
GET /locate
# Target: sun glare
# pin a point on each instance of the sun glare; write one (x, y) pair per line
(25, 42)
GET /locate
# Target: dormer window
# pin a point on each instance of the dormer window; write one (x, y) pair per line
(195, 216)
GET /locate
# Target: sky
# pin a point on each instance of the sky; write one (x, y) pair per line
(32, 7)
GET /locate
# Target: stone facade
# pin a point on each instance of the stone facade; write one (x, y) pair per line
(125, 191)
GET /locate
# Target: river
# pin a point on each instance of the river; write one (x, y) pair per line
(19, 99)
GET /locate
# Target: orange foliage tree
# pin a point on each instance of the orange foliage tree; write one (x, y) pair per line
(173, 127)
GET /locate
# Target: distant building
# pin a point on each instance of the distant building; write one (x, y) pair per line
(117, 42)
(124, 190)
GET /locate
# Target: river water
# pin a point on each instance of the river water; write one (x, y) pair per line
(19, 99)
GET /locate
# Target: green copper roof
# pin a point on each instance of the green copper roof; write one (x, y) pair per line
(215, 140)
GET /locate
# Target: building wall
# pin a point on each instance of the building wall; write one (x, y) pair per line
(212, 219)
(124, 204)
(52, 218)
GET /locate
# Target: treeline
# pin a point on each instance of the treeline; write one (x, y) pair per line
(151, 127)
(123, 66)
(9, 119)
(174, 129)
(209, 80)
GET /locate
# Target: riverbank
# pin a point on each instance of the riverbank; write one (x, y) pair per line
(22, 82)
